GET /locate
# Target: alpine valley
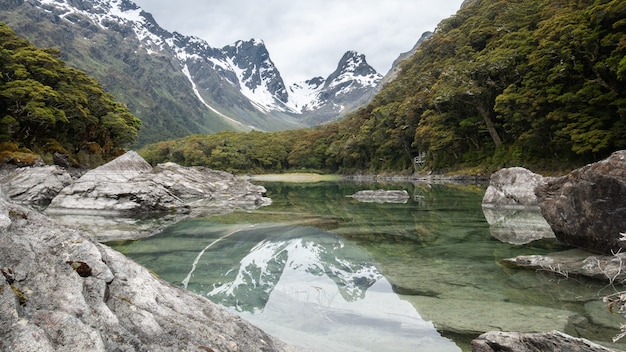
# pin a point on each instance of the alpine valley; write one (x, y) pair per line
(179, 85)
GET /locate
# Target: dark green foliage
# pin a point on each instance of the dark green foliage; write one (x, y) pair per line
(540, 84)
(47, 107)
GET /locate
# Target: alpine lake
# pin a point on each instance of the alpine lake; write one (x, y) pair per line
(327, 272)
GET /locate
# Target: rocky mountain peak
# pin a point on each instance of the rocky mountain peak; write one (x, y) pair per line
(259, 77)
(353, 68)
(354, 63)
(348, 87)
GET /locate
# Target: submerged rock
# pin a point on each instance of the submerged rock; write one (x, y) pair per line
(513, 188)
(587, 207)
(472, 317)
(495, 341)
(575, 262)
(381, 196)
(60, 291)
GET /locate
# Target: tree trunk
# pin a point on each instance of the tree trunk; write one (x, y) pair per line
(486, 115)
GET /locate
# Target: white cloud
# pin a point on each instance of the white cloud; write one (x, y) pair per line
(307, 38)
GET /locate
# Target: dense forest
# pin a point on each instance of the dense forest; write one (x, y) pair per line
(537, 83)
(47, 107)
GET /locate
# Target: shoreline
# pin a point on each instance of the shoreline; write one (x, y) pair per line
(309, 177)
(306, 177)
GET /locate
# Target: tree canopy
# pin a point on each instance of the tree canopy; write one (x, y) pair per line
(47, 107)
(501, 83)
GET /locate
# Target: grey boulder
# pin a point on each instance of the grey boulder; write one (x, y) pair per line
(129, 185)
(512, 188)
(35, 186)
(587, 207)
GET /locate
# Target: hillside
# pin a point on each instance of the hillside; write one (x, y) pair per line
(508, 83)
(47, 107)
(539, 84)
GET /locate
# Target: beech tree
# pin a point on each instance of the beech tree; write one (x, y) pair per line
(46, 106)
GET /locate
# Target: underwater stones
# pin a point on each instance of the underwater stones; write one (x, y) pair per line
(469, 317)
(530, 342)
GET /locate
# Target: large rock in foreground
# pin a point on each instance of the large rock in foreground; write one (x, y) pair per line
(60, 291)
(587, 207)
(496, 341)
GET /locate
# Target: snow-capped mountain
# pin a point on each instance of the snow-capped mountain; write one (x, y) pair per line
(178, 84)
(344, 90)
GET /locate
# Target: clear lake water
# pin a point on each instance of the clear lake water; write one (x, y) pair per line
(319, 269)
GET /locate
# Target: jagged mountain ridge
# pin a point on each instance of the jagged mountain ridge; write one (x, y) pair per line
(352, 84)
(180, 85)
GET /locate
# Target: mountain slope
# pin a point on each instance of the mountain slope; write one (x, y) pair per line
(176, 84)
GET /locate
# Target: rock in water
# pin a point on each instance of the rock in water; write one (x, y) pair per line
(587, 207)
(512, 188)
(129, 185)
(382, 196)
(116, 187)
(60, 291)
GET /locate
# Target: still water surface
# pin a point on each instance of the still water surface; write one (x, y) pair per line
(325, 271)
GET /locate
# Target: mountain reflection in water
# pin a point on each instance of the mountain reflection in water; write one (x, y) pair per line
(306, 286)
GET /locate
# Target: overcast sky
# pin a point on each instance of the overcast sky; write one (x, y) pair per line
(307, 38)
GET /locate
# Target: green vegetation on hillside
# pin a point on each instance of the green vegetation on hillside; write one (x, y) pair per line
(48, 107)
(529, 83)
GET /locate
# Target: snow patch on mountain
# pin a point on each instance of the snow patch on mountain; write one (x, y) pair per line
(305, 95)
(195, 90)
(108, 12)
